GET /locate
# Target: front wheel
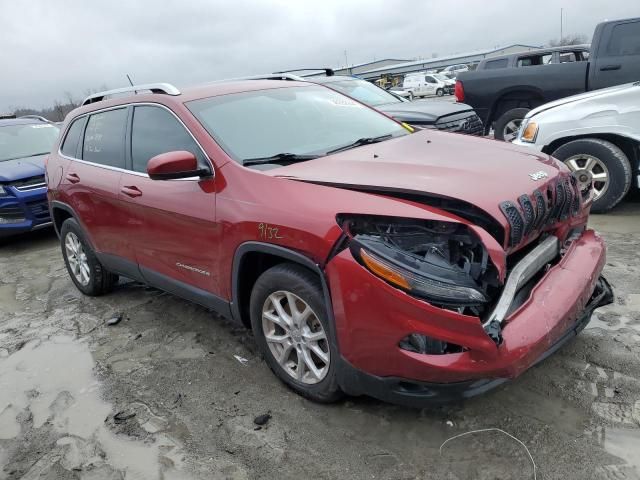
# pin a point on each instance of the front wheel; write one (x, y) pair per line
(601, 162)
(507, 126)
(440, 92)
(291, 326)
(86, 272)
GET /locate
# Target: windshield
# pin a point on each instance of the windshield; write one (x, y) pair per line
(297, 120)
(364, 92)
(19, 141)
(439, 76)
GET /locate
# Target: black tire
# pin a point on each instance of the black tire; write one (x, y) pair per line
(440, 92)
(304, 284)
(613, 158)
(508, 116)
(100, 280)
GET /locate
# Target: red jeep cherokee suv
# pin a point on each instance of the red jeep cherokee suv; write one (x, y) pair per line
(366, 258)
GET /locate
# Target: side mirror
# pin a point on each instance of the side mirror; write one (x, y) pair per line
(171, 165)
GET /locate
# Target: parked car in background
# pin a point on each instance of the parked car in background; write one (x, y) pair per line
(596, 134)
(445, 116)
(454, 70)
(424, 85)
(450, 83)
(24, 143)
(364, 256)
(399, 91)
(503, 89)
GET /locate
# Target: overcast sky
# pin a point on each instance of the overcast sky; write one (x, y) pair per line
(49, 47)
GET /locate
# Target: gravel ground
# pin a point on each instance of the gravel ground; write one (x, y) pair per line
(161, 394)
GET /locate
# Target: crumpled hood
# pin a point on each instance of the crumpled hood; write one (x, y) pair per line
(21, 168)
(478, 171)
(422, 111)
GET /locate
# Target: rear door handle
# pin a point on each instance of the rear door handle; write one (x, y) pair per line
(72, 177)
(131, 191)
(610, 67)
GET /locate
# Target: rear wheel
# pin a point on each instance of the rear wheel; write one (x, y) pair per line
(291, 326)
(601, 162)
(507, 126)
(440, 92)
(86, 272)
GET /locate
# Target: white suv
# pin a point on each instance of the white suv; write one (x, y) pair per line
(596, 134)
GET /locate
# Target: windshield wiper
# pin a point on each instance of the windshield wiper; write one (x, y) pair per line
(279, 157)
(360, 142)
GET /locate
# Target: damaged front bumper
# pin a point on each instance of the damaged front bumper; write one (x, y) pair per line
(372, 318)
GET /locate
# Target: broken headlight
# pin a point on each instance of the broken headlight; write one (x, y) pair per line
(442, 262)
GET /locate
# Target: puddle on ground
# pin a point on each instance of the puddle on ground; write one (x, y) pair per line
(51, 384)
(8, 301)
(624, 443)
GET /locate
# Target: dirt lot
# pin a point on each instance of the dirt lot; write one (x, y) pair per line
(160, 394)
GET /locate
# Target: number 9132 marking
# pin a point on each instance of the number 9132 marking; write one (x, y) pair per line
(268, 232)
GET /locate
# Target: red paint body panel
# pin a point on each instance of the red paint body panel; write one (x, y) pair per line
(167, 225)
(372, 317)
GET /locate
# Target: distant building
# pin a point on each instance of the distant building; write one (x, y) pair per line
(392, 68)
(361, 67)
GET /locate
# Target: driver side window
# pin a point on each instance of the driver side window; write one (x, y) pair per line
(155, 131)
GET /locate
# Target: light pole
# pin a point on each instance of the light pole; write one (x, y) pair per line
(561, 9)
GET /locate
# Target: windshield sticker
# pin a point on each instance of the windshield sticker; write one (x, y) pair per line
(343, 101)
(42, 126)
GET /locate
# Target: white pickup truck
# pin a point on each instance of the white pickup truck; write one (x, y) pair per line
(596, 134)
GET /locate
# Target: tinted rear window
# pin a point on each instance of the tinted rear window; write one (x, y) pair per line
(625, 39)
(104, 138)
(492, 64)
(70, 145)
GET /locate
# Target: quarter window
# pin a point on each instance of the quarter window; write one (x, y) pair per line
(157, 131)
(493, 64)
(70, 145)
(104, 138)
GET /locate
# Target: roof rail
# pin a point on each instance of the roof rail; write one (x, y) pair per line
(327, 71)
(163, 88)
(35, 117)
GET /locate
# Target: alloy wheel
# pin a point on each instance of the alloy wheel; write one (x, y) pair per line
(510, 131)
(587, 169)
(77, 258)
(296, 337)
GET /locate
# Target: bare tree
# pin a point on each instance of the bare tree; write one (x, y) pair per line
(575, 39)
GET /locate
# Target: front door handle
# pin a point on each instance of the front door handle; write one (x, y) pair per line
(610, 67)
(131, 191)
(72, 177)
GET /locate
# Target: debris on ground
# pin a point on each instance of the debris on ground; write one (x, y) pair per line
(123, 416)
(495, 430)
(242, 360)
(263, 419)
(115, 320)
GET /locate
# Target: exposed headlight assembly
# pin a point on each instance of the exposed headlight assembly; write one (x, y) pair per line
(442, 262)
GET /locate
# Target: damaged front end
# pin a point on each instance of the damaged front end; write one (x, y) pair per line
(443, 263)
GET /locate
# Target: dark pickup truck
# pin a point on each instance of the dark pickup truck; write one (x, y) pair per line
(503, 89)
